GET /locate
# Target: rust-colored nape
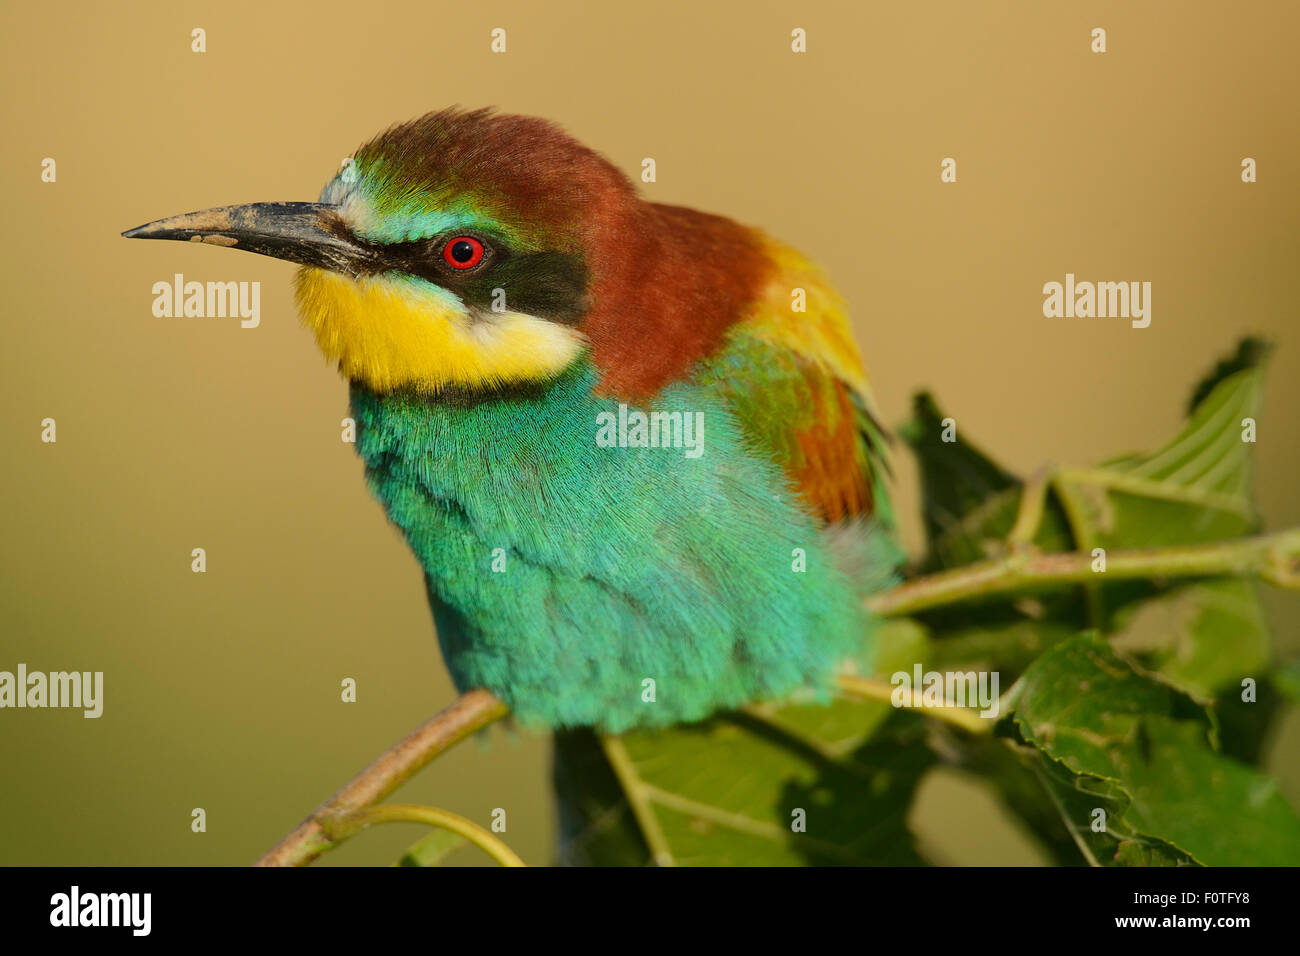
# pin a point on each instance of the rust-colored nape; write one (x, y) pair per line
(668, 282)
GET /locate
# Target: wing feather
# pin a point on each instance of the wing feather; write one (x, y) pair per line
(796, 382)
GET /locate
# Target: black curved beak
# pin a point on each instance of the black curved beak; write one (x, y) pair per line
(305, 232)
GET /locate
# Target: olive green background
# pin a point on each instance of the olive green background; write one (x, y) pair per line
(222, 689)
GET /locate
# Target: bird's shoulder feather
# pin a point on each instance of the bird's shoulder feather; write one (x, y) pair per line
(792, 372)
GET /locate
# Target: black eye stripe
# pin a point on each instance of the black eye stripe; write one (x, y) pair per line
(424, 257)
(552, 285)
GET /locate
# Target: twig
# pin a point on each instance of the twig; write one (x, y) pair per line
(1271, 556)
(339, 825)
(962, 717)
(1029, 515)
(469, 713)
(1085, 540)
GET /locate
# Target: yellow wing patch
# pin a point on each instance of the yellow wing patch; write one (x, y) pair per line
(815, 399)
(821, 332)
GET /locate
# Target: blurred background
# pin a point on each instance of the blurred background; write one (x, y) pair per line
(222, 689)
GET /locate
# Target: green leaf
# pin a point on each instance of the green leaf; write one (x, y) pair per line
(956, 477)
(1201, 637)
(1144, 749)
(1195, 488)
(1013, 777)
(1251, 353)
(969, 505)
(596, 824)
(431, 849)
(1092, 810)
(1287, 678)
(969, 501)
(775, 785)
(1008, 643)
(1246, 725)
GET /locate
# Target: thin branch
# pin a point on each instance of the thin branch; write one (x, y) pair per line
(470, 712)
(1273, 557)
(963, 717)
(1029, 515)
(339, 825)
(1084, 541)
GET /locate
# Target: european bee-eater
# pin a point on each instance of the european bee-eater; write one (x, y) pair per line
(629, 443)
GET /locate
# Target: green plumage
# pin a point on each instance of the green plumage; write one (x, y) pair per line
(620, 564)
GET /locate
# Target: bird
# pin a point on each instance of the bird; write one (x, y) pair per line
(631, 445)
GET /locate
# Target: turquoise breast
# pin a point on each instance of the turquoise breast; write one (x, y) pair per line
(610, 585)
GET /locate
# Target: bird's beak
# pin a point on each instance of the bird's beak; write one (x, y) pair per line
(306, 232)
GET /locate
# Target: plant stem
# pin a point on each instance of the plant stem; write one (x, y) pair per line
(634, 791)
(338, 825)
(1271, 556)
(1029, 515)
(962, 717)
(1084, 541)
(467, 714)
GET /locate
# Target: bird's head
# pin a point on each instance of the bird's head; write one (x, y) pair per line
(474, 250)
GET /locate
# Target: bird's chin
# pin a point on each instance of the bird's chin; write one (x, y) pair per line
(396, 333)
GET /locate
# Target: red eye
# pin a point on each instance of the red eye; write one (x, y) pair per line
(463, 252)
